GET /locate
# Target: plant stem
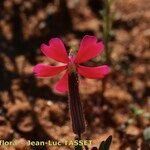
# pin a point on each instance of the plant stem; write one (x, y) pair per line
(107, 22)
(78, 147)
(106, 30)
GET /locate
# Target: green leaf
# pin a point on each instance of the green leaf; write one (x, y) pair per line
(105, 145)
(146, 134)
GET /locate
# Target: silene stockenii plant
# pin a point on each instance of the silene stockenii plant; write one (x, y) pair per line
(89, 48)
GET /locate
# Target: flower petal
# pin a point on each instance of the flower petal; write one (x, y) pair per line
(93, 72)
(62, 85)
(42, 70)
(89, 48)
(56, 50)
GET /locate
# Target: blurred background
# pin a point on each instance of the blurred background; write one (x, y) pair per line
(31, 110)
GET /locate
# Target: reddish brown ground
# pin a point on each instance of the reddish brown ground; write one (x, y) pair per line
(29, 109)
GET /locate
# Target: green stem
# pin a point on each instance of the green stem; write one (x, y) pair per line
(78, 147)
(107, 21)
(106, 30)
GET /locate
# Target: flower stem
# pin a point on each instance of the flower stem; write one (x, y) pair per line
(76, 111)
(107, 25)
(107, 28)
(78, 147)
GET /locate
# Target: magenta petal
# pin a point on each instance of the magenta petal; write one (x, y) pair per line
(89, 48)
(42, 70)
(56, 50)
(62, 85)
(93, 72)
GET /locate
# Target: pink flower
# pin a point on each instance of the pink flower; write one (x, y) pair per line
(89, 48)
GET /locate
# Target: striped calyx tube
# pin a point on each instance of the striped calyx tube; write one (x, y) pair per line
(76, 110)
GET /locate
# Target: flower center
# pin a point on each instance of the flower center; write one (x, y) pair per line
(71, 67)
(71, 64)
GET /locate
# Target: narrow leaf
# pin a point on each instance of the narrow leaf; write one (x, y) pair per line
(105, 145)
